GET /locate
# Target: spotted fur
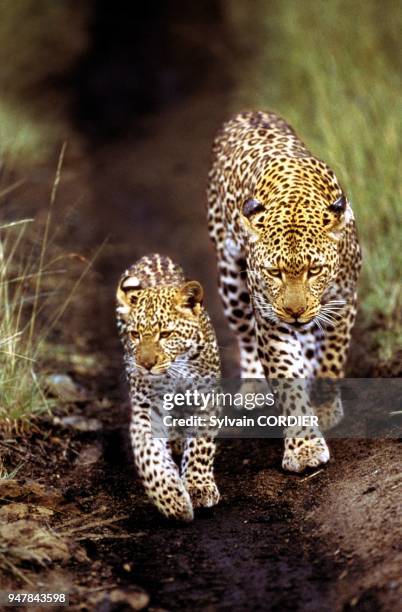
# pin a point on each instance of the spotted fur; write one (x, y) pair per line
(168, 338)
(288, 260)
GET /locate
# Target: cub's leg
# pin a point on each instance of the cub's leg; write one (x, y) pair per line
(281, 354)
(197, 471)
(158, 472)
(238, 309)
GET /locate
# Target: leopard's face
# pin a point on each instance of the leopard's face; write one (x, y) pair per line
(293, 257)
(160, 326)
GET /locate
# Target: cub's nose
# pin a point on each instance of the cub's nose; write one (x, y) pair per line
(148, 362)
(294, 312)
(147, 355)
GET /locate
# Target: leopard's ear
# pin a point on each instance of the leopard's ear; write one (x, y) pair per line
(190, 297)
(337, 215)
(251, 217)
(127, 293)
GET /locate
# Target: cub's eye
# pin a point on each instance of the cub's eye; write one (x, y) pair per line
(315, 270)
(166, 333)
(274, 272)
(134, 334)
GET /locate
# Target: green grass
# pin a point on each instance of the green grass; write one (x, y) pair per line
(41, 40)
(333, 69)
(24, 139)
(35, 292)
(21, 393)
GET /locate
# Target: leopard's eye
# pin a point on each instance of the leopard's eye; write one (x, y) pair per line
(165, 333)
(315, 271)
(274, 272)
(134, 334)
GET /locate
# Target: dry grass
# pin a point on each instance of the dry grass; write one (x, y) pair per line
(39, 527)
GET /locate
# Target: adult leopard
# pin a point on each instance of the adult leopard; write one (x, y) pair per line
(288, 260)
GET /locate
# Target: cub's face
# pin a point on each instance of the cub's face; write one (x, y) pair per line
(160, 326)
(293, 259)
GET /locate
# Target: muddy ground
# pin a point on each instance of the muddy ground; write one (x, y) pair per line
(327, 540)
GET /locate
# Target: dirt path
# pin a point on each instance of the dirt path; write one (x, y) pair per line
(276, 541)
(271, 544)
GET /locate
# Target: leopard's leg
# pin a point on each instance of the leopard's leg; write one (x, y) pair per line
(232, 277)
(327, 404)
(198, 472)
(329, 363)
(281, 354)
(175, 445)
(158, 472)
(238, 309)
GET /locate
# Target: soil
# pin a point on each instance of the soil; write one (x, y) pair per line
(324, 540)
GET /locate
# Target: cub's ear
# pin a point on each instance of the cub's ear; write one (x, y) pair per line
(336, 217)
(190, 297)
(127, 293)
(250, 217)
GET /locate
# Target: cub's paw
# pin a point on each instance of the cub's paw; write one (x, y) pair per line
(175, 502)
(203, 495)
(301, 453)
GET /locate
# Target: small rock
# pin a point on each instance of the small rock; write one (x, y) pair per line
(89, 455)
(132, 599)
(87, 364)
(104, 403)
(81, 423)
(64, 388)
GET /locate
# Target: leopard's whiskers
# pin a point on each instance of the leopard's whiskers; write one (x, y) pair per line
(339, 302)
(318, 323)
(323, 318)
(265, 308)
(330, 313)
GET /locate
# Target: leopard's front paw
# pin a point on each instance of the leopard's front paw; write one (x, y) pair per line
(203, 495)
(301, 453)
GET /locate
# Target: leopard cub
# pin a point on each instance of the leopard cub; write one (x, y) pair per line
(168, 338)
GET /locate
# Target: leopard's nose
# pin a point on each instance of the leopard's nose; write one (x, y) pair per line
(294, 312)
